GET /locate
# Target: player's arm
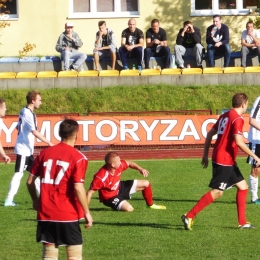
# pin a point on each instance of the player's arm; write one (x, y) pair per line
(205, 160)
(241, 144)
(32, 190)
(38, 135)
(135, 166)
(89, 195)
(253, 122)
(6, 158)
(82, 198)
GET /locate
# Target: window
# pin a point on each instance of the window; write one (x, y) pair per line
(221, 7)
(103, 8)
(12, 9)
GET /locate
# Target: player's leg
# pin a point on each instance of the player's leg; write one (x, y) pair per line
(242, 189)
(50, 251)
(74, 252)
(20, 166)
(145, 187)
(253, 177)
(119, 202)
(218, 184)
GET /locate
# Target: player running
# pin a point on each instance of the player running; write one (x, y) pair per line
(225, 170)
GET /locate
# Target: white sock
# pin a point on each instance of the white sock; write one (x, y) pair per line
(38, 186)
(14, 185)
(253, 184)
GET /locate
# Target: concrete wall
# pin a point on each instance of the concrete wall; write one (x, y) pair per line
(246, 79)
(41, 22)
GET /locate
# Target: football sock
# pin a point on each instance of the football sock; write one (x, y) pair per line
(205, 200)
(148, 195)
(241, 206)
(14, 185)
(253, 184)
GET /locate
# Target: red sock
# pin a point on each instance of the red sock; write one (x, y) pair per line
(148, 195)
(241, 206)
(205, 200)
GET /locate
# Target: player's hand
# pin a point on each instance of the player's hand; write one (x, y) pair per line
(144, 172)
(7, 159)
(204, 162)
(257, 162)
(89, 220)
(50, 144)
(217, 44)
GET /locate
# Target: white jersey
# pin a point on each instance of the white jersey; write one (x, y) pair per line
(25, 139)
(254, 134)
(248, 39)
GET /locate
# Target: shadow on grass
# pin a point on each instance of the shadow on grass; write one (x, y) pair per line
(152, 225)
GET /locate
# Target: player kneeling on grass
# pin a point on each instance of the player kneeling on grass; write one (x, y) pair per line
(63, 199)
(229, 128)
(113, 192)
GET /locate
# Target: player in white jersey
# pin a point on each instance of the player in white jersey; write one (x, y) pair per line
(2, 113)
(254, 145)
(24, 147)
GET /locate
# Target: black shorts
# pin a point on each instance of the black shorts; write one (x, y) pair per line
(124, 194)
(59, 233)
(225, 177)
(255, 148)
(23, 163)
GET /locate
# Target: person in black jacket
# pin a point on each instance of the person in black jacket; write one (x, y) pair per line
(188, 42)
(217, 39)
(156, 44)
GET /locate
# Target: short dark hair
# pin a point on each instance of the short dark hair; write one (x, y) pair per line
(217, 15)
(109, 157)
(154, 21)
(186, 22)
(68, 127)
(250, 22)
(100, 23)
(31, 95)
(239, 99)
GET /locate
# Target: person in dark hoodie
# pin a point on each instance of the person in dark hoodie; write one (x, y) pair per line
(188, 42)
(217, 38)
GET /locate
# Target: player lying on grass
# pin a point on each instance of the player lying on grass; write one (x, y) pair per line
(229, 128)
(113, 192)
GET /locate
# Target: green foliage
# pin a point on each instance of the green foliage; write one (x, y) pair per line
(144, 233)
(121, 98)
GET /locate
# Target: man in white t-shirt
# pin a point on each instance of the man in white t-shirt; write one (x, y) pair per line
(250, 42)
(24, 147)
(254, 145)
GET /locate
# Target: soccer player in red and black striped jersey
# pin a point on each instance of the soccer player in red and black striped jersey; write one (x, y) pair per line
(113, 192)
(63, 201)
(226, 173)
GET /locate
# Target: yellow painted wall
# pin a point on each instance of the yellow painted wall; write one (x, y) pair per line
(41, 22)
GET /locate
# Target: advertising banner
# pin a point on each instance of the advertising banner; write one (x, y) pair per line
(124, 130)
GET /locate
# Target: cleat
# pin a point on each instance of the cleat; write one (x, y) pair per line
(188, 222)
(246, 226)
(154, 206)
(256, 201)
(10, 203)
